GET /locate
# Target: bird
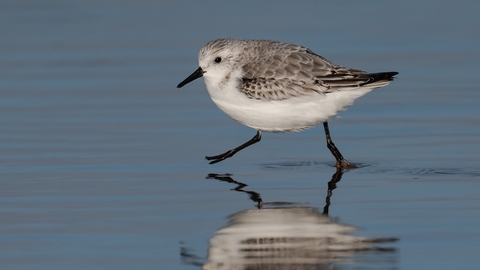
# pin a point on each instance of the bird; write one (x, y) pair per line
(273, 86)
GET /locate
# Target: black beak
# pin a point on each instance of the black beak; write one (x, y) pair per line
(195, 75)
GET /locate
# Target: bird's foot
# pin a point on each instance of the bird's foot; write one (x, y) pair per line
(221, 157)
(344, 164)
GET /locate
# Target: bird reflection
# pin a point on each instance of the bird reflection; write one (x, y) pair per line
(283, 237)
(254, 196)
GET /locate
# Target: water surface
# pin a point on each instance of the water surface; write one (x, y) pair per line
(102, 158)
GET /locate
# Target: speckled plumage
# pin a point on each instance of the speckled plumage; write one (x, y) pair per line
(276, 71)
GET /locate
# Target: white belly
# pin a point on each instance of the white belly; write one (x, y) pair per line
(294, 114)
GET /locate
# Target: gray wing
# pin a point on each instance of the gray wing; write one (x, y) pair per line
(283, 70)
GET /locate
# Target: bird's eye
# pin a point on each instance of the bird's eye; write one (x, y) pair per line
(218, 60)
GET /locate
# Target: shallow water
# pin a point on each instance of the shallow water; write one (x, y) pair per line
(102, 158)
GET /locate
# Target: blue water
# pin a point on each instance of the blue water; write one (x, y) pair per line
(102, 158)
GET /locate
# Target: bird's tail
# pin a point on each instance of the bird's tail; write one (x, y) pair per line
(378, 79)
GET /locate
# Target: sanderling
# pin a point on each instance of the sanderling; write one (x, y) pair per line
(273, 86)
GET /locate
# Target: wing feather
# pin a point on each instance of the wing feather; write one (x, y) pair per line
(282, 71)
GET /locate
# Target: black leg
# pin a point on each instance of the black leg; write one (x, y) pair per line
(341, 162)
(232, 152)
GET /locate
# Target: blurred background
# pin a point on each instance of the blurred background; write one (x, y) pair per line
(102, 157)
